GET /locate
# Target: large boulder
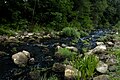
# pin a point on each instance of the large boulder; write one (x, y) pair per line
(21, 58)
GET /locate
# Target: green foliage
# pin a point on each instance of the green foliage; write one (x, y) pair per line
(84, 15)
(75, 24)
(52, 78)
(116, 52)
(86, 65)
(70, 32)
(66, 52)
(84, 50)
(106, 38)
(117, 26)
(36, 28)
(6, 31)
(83, 34)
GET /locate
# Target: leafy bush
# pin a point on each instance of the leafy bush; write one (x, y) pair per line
(70, 32)
(86, 65)
(66, 52)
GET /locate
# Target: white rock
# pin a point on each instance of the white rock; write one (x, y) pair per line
(72, 48)
(116, 32)
(12, 38)
(99, 48)
(26, 53)
(58, 47)
(71, 72)
(102, 67)
(99, 43)
(32, 61)
(110, 43)
(30, 34)
(64, 45)
(21, 58)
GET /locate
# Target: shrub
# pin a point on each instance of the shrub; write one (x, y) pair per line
(66, 52)
(70, 32)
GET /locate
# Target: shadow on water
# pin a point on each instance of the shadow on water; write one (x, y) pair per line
(10, 71)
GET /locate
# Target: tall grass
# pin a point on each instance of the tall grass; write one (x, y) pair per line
(86, 65)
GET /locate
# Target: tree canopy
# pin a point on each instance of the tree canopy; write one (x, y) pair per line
(58, 14)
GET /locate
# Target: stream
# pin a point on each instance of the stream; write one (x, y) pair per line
(40, 51)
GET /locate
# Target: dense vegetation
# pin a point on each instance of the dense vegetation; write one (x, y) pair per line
(86, 15)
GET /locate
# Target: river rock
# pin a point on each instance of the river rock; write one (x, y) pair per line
(35, 75)
(110, 44)
(102, 67)
(30, 34)
(48, 59)
(3, 38)
(12, 39)
(47, 36)
(112, 68)
(72, 48)
(31, 60)
(117, 32)
(97, 49)
(111, 61)
(99, 43)
(71, 72)
(64, 45)
(58, 67)
(58, 47)
(101, 77)
(100, 48)
(21, 58)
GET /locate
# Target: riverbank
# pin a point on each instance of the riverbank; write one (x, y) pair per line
(53, 57)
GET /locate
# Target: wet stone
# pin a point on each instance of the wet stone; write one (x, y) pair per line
(102, 67)
(101, 77)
